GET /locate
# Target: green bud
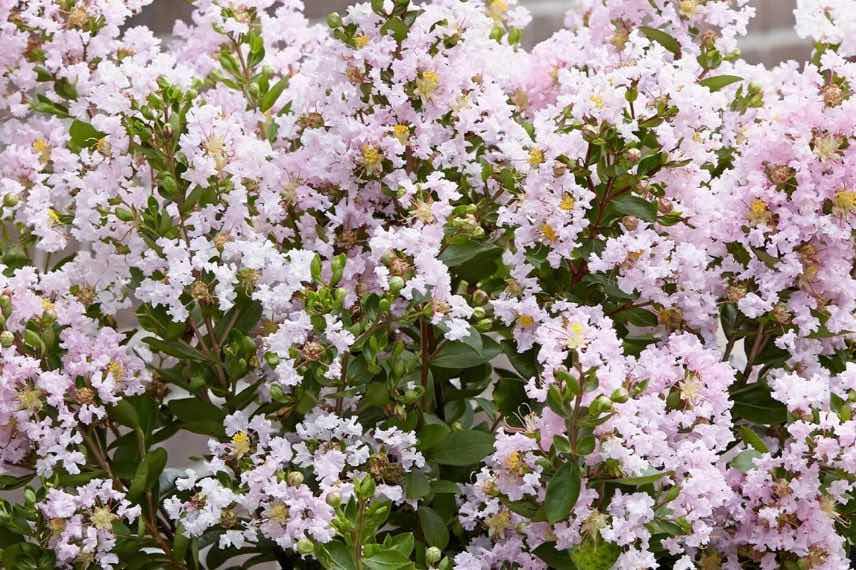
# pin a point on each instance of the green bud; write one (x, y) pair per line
(34, 341)
(445, 564)
(619, 395)
(365, 487)
(514, 36)
(305, 546)
(10, 200)
(334, 499)
(272, 359)
(124, 214)
(6, 339)
(197, 382)
(6, 305)
(480, 297)
(315, 268)
(384, 305)
(276, 393)
(479, 313)
(396, 284)
(600, 405)
(412, 396)
(484, 325)
(295, 478)
(337, 267)
(254, 90)
(433, 555)
(572, 385)
(334, 20)
(168, 186)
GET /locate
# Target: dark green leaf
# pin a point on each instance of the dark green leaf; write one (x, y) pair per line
(563, 490)
(269, 98)
(466, 447)
(433, 528)
(147, 473)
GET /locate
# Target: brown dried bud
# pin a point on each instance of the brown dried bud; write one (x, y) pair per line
(832, 94)
(312, 351)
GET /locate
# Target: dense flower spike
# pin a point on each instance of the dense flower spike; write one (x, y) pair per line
(433, 300)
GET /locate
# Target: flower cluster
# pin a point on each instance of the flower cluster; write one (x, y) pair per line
(432, 298)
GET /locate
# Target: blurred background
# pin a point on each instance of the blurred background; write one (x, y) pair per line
(771, 37)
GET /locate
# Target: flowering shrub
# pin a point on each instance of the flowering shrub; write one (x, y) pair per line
(431, 299)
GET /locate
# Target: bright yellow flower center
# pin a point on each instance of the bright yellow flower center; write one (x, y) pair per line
(515, 463)
(240, 444)
(30, 399)
(427, 83)
(576, 336)
(687, 8)
(536, 156)
(549, 233)
(361, 41)
(496, 9)
(102, 518)
(845, 201)
(758, 212)
(597, 101)
(372, 158)
(43, 148)
(525, 321)
(498, 524)
(278, 512)
(567, 204)
(401, 132)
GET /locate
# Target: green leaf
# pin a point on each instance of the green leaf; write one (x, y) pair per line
(416, 485)
(591, 555)
(556, 559)
(662, 38)
(434, 529)
(745, 460)
(752, 439)
(199, 416)
(82, 135)
(754, 403)
(147, 473)
(460, 253)
(466, 447)
(641, 480)
(720, 81)
(269, 98)
(630, 205)
(563, 490)
(433, 435)
(402, 543)
(10, 482)
(456, 354)
(508, 394)
(178, 349)
(335, 555)
(387, 559)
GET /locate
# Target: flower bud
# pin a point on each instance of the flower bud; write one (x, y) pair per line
(433, 555)
(334, 499)
(6, 339)
(295, 478)
(10, 200)
(396, 284)
(365, 487)
(633, 155)
(305, 546)
(272, 359)
(6, 305)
